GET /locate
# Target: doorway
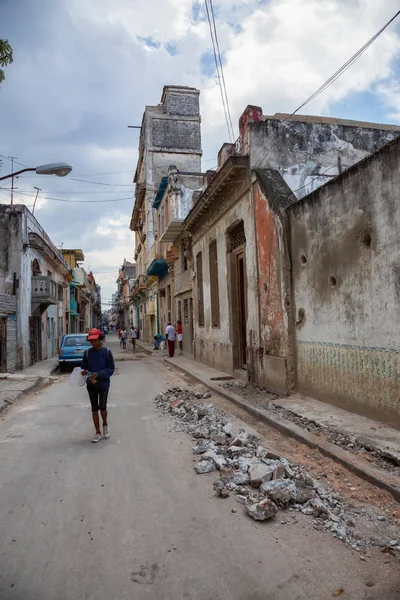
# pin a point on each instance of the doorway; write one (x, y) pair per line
(237, 286)
(35, 338)
(241, 309)
(3, 345)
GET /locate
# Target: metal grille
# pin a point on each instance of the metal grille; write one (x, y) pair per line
(215, 315)
(237, 237)
(200, 296)
(186, 311)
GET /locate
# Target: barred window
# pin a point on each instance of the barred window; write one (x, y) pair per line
(215, 314)
(200, 293)
(236, 237)
(186, 311)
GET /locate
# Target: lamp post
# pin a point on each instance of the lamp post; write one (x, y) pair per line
(60, 169)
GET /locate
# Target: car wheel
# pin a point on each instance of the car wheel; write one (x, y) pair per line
(62, 367)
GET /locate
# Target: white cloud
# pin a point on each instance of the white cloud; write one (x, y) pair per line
(82, 73)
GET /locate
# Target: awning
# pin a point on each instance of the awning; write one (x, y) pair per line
(158, 268)
(161, 191)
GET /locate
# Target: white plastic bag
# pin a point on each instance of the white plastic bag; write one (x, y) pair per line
(76, 378)
(162, 345)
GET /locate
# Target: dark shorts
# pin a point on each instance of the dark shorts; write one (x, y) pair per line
(98, 398)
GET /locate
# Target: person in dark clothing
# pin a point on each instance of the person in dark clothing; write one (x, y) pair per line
(98, 366)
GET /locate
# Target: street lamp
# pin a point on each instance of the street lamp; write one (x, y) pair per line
(60, 169)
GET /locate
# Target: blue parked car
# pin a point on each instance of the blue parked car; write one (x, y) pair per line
(72, 349)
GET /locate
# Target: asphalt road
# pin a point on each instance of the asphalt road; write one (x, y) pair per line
(128, 519)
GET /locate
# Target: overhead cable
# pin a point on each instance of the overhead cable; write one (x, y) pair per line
(335, 76)
(231, 135)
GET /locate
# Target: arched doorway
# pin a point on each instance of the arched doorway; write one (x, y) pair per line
(36, 270)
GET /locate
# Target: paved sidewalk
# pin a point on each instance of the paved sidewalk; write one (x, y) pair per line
(14, 385)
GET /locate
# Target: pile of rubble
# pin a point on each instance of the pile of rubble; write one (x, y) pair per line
(262, 481)
(265, 400)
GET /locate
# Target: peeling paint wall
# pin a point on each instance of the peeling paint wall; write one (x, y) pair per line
(346, 280)
(215, 345)
(309, 151)
(269, 356)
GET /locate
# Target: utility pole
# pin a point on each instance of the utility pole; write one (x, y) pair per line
(12, 158)
(37, 194)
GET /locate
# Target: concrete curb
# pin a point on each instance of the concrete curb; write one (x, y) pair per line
(373, 475)
(8, 403)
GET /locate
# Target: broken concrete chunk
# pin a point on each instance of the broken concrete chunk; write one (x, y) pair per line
(260, 472)
(260, 511)
(241, 499)
(241, 478)
(207, 395)
(205, 466)
(200, 447)
(227, 428)
(241, 439)
(219, 438)
(279, 472)
(218, 460)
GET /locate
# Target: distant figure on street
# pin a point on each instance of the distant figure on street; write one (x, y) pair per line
(179, 331)
(134, 337)
(98, 367)
(124, 335)
(157, 341)
(170, 333)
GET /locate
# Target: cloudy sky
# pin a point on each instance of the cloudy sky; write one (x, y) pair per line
(85, 69)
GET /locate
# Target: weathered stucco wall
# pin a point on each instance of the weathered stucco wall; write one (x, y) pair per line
(309, 151)
(269, 356)
(214, 346)
(346, 280)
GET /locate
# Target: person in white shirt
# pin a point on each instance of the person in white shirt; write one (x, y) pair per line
(134, 337)
(170, 334)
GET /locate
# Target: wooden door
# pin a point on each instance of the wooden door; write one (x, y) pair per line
(3, 345)
(241, 307)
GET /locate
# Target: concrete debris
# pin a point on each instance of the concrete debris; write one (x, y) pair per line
(260, 511)
(241, 499)
(200, 447)
(205, 466)
(265, 482)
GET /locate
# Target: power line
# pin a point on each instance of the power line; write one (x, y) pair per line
(75, 201)
(222, 70)
(335, 76)
(218, 74)
(100, 182)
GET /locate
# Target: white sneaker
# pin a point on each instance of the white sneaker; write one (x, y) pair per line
(106, 431)
(96, 438)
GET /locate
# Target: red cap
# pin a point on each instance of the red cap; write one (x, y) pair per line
(94, 334)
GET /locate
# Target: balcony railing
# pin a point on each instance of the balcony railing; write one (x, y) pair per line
(44, 293)
(44, 289)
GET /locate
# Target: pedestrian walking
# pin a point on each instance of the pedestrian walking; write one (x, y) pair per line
(124, 335)
(134, 337)
(179, 331)
(170, 334)
(98, 366)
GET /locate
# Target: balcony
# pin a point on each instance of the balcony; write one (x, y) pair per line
(140, 286)
(172, 231)
(44, 293)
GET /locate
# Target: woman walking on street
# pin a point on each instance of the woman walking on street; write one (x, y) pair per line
(170, 333)
(98, 367)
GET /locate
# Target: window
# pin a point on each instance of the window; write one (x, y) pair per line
(215, 315)
(186, 311)
(179, 311)
(184, 257)
(60, 293)
(200, 293)
(169, 297)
